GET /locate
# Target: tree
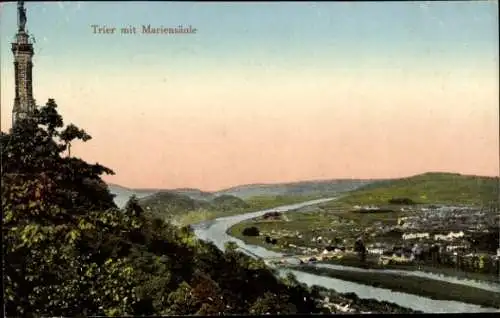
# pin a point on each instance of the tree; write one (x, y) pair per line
(251, 231)
(401, 201)
(33, 149)
(359, 247)
(271, 303)
(69, 251)
(70, 133)
(47, 203)
(132, 207)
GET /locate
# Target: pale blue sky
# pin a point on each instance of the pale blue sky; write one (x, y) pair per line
(314, 33)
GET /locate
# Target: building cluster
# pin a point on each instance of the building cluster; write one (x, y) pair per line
(439, 234)
(447, 228)
(451, 218)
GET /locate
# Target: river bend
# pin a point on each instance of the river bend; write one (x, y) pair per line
(216, 231)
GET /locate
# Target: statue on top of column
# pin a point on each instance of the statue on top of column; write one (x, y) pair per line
(21, 15)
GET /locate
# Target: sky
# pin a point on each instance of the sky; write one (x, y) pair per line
(268, 92)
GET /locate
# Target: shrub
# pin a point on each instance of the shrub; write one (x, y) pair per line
(250, 231)
(401, 201)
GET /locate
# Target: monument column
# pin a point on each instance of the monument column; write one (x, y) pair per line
(22, 48)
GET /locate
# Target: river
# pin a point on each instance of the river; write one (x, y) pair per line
(216, 232)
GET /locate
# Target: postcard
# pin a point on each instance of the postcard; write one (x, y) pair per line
(209, 158)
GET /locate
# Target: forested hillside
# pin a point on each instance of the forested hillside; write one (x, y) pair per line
(68, 250)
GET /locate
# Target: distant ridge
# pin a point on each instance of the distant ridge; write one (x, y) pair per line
(310, 187)
(430, 187)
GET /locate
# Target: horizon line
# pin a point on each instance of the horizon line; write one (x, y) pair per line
(302, 181)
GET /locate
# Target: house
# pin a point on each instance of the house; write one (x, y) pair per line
(375, 251)
(401, 220)
(412, 236)
(450, 236)
(453, 248)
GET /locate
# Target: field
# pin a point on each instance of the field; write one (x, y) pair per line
(338, 225)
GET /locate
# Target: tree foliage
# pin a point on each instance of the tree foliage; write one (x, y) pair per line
(360, 249)
(68, 250)
(250, 231)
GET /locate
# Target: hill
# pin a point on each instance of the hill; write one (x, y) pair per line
(303, 188)
(196, 194)
(169, 205)
(183, 209)
(429, 188)
(308, 189)
(226, 201)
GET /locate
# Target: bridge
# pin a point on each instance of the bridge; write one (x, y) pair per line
(280, 259)
(297, 258)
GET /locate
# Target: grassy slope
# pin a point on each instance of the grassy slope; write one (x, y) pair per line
(444, 188)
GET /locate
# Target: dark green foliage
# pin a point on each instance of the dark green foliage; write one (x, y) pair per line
(359, 247)
(133, 208)
(166, 203)
(270, 240)
(250, 231)
(169, 204)
(401, 201)
(486, 241)
(69, 251)
(226, 202)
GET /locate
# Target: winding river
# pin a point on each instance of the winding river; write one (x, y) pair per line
(216, 232)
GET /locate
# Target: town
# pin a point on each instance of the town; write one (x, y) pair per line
(459, 237)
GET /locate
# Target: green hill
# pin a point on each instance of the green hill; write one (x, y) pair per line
(183, 209)
(429, 188)
(166, 204)
(226, 201)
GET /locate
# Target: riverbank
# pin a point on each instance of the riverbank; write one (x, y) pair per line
(443, 272)
(351, 303)
(415, 302)
(430, 288)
